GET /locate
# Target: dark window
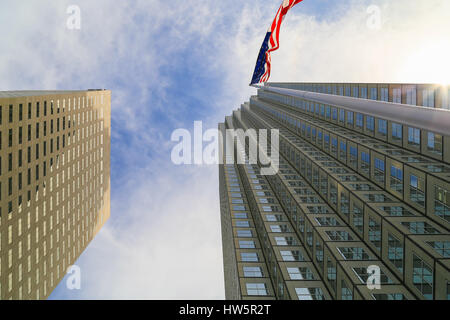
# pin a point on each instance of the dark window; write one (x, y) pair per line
(395, 252)
(416, 190)
(397, 179)
(375, 233)
(423, 277)
(442, 203)
(397, 133)
(10, 113)
(10, 138)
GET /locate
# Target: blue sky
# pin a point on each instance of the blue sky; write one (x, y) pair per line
(169, 63)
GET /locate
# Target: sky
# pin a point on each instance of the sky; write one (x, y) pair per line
(170, 63)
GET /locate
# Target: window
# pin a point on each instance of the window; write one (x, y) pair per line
(354, 253)
(341, 115)
(373, 93)
(331, 273)
(240, 215)
(353, 157)
(397, 179)
(382, 127)
(416, 190)
(327, 141)
(434, 143)
(445, 98)
(365, 162)
(375, 233)
(334, 114)
(343, 151)
(413, 137)
(333, 194)
(292, 255)
(397, 211)
(384, 94)
(10, 138)
(283, 241)
(309, 293)
(339, 235)
(441, 247)
(244, 233)
(420, 227)
(246, 244)
(345, 204)
(397, 95)
(411, 96)
(253, 272)
(327, 221)
(256, 289)
(359, 120)
(397, 132)
(379, 170)
(242, 224)
(10, 114)
(346, 293)
(249, 256)
(358, 218)
(347, 91)
(428, 98)
(370, 123)
(423, 277)
(363, 92)
(279, 228)
(442, 203)
(10, 161)
(302, 273)
(274, 218)
(328, 112)
(395, 252)
(350, 118)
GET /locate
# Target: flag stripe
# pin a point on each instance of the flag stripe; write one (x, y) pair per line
(271, 43)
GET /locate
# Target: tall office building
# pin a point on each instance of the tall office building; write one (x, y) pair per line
(363, 189)
(54, 184)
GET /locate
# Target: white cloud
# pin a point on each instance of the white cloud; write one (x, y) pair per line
(165, 246)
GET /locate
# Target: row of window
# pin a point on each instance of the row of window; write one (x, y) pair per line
(391, 179)
(406, 94)
(422, 141)
(53, 107)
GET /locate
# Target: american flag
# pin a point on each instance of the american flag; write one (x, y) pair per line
(271, 43)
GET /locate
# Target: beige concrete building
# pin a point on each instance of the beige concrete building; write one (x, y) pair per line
(364, 181)
(54, 184)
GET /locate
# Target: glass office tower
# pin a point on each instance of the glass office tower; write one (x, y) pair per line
(363, 186)
(54, 184)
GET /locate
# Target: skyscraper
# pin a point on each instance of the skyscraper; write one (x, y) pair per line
(54, 184)
(361, 198)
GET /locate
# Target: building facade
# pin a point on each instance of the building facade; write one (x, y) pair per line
(362, 195)
(54, 184)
